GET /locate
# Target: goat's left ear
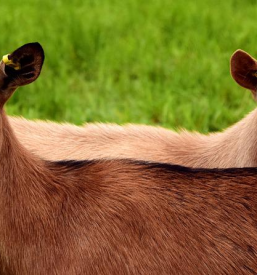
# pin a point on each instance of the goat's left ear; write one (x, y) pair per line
(243, 69)
(24, 65)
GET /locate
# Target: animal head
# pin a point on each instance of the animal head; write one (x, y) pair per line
(243, 69)
(19, 68)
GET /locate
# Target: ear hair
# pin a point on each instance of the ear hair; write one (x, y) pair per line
(243, 69)
(30, 59)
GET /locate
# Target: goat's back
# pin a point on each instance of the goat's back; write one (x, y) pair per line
(122, 217)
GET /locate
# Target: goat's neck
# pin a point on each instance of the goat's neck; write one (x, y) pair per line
(18, 167)
(237, 146)
(12, 152)
(24, 198)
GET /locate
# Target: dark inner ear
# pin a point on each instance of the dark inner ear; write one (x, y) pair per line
(27, 69)
(244, 69)
(30, 58)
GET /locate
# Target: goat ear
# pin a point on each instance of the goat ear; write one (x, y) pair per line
(24, 65)
(243, 69)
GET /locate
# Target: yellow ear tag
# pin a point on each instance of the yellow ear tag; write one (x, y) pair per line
(254, 74)
(10, 63)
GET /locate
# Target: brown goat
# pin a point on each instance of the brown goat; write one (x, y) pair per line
(117, 216)
(235, 147)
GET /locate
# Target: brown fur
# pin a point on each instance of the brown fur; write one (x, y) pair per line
(122, 217)
(235, 147)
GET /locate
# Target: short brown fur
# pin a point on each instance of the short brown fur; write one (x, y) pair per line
(122, 217)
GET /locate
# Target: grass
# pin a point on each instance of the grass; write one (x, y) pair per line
(155, 62)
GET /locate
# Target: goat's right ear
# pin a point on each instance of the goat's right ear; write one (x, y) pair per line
(24, 65)
(243, 69)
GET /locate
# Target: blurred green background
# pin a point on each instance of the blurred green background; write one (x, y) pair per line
(158, 62)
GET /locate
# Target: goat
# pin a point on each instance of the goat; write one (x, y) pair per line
(117, 216)
(235, 147)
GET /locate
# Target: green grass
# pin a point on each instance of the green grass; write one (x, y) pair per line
(162, 62)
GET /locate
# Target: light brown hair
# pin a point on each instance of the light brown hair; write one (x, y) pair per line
(234, 147)
(120, 216)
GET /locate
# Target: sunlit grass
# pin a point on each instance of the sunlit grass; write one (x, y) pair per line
(156, 62)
